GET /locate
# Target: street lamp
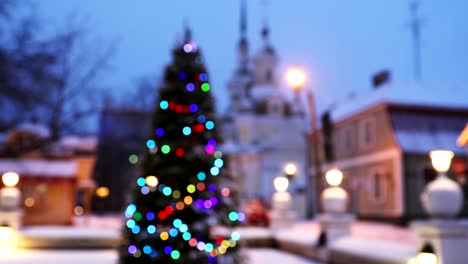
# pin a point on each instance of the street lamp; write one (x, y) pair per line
(10, 213)
(281, 216)
(427, 255)
(442, 197)
(290, 170)
(296, 78)
(10, 195)
(8, 240)
(442, 200)
(334, 198)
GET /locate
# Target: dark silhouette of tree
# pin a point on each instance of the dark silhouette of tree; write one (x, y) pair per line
(51, 78)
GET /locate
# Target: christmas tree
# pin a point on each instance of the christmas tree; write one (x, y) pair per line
(183, 190)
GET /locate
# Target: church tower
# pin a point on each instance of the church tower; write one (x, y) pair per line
(261, 130)
(265, 61)
(242, 77)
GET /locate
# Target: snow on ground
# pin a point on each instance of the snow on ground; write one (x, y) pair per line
(67, 232)
(384, 232)
(253, 256)
(378, 250)
(59, 257)
(270, 256)
(302, 232)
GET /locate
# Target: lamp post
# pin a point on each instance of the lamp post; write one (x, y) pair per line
(10, 212)
(281, 216)
(443, 197)
(335, 223)
(10, 195)
(444, 238)
(296, 78)
(334, 198)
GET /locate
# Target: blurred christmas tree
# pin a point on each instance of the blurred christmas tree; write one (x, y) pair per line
(183, 191)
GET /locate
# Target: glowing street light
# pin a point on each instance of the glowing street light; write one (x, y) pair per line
(281, 216)
(6, 233)
(334, 177)
(281, 184)
(296, 78)
(441, 160)
(290, 169)
(334, 198)
(442, 197)
(10, 179)
(425, 256)
(10, 195)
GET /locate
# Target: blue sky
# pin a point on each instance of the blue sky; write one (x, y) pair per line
(340, 44)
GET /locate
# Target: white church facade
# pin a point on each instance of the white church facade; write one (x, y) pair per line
(263, 130)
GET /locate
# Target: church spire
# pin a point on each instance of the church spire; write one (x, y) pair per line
(266, 29)
(243, 44)
(243, 20)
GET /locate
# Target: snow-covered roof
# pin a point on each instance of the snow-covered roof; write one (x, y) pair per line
(79, 143)
(38, 129)
(426, 141)
(41, 168)
(411, 93)
(259, 92)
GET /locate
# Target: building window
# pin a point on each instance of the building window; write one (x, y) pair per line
(347, 143)
(268, 75)
(367, 133)
(379, 185)
(349, 140)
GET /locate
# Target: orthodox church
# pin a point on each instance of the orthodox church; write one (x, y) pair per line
(263, 130)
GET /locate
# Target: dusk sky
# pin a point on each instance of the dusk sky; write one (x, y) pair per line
(340, 44)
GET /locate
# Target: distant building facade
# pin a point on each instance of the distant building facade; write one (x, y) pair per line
(55, 176)
(262, 129)
(122, 133)
(382, 145)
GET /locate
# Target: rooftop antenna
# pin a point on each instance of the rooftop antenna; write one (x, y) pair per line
(415, 25)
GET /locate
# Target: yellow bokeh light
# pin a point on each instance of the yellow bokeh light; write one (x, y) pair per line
(29, 202)
(102, 192)
(191, 188)
(225, 244)
(151, 181)
(221, 250)
(164, 236)
(188, 200)
(78, 210)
